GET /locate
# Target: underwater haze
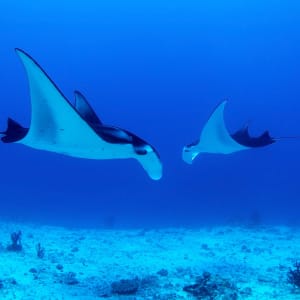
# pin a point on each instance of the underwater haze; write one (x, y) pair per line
(157, 69)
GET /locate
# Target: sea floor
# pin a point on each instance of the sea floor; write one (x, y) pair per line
(175, 263)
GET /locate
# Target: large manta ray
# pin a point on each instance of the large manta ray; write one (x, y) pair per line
(215, 138)
(58, 126)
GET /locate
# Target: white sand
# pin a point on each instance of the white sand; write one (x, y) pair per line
(251, 258)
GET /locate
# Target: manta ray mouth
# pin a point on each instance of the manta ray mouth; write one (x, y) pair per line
(188, 155)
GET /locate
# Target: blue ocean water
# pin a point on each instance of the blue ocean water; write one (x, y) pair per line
(156, 68)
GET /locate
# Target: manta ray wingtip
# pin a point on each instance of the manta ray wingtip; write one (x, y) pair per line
(19, 50)
(23, 54)
(224, 101)
(76, 92)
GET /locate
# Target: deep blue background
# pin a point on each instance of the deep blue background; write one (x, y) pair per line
(156, 68)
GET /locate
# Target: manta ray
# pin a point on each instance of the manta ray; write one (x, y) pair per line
(215, 138)
(74, 130)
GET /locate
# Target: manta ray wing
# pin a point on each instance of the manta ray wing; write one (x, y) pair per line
(214, 138)
(55, 125)
(59, 127)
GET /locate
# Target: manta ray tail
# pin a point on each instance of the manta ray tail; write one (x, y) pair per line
(286, 138)
(14, 132)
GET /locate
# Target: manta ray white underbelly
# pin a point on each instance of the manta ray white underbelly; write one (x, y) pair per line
(58, 126)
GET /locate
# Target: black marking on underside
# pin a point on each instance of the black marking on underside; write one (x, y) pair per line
(243, 137)
(115, 135)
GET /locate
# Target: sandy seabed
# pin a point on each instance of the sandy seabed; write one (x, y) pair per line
(221, 262)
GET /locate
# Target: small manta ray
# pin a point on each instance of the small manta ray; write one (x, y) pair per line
(58, 126)
(215, 138)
